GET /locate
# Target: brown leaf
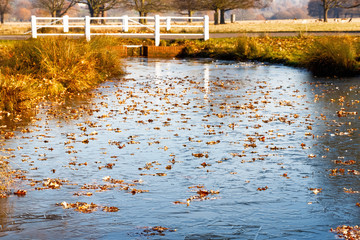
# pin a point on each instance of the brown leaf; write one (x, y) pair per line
(20, 192)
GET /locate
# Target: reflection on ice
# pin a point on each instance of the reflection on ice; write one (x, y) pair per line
(206, 80)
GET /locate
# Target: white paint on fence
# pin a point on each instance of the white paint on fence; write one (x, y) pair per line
(33, 27)
(124, 23)
(157, 30)
(206, 28)
(168, 23)
(66, 23)
(87, 28)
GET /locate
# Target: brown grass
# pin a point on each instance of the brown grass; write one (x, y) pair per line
(51, 67)
(14, 28)
(323, 56)
(333, 56)
(301, 25)
(5, 177)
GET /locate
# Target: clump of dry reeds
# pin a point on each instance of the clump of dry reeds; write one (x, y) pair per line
(5, 177)
(51, 67)
(332, 56)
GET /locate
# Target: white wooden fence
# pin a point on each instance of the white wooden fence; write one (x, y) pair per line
(156, 25)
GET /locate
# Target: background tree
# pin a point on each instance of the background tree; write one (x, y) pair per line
(144, 7)
(222, 6)
(56, 8)
(291, 13)
(331, 4)
(4, 8)
(188, 6)
(216, 6)
(315, 8)
(98, 8)
(22, 10)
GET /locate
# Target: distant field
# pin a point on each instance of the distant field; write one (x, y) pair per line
(14, 28)
(301, 25)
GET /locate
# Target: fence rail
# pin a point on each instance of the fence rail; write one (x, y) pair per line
(154, 24)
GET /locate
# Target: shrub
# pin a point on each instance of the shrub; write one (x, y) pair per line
(16, 92)
(75, 64)
(49, 67)
(332, 56)
(248, 48)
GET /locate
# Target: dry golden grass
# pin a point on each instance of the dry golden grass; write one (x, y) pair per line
(301, 25)
(51, 67)
(324, 56)
(14, 28)
(5, 177)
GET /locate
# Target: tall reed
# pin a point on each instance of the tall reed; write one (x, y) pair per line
(248, 49)
(17, 92)
(332, 56)
(5, 177)
(51, 67)
(323, 56)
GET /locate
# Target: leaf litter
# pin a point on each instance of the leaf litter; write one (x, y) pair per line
(155, 109)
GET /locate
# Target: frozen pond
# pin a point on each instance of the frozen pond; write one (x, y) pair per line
(211, 149)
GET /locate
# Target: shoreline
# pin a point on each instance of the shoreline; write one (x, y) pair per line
(313, 53)
(213, 35)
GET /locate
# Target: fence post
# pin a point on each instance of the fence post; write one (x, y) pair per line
(87, 28)
(157, 30)
(168, 23)
(33, 27)
(66, 23)
(233, 18)
(206, 28)
(125, 23)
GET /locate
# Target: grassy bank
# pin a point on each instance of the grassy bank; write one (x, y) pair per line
(324, 56)
(52, 67)
(299, 25)
(48, 68)
(5, 177)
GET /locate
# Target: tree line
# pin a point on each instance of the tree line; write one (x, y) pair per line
(322, 8)
(98, 8)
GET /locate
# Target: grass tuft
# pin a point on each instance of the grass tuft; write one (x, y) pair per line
(323, 56)
(332, 56)
(248, 48)
(5, 177)
(52, 67)
(16, 92)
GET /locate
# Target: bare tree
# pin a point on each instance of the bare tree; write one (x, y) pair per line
(188, 6)
(330, 4)
(98, 8)
(217, 6)
(4, 8)
(315, 8)
(22, 10)
(56, 8)
(222, 6)
(144, 7)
